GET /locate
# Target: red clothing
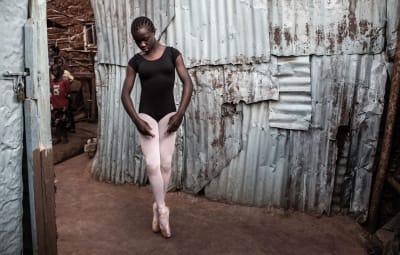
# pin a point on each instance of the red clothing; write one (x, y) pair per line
(59, 93)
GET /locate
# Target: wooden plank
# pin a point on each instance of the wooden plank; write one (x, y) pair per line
(45, 202)
(37, 173)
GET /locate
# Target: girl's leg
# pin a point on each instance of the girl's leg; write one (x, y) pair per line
(151, 151)
(167, 147)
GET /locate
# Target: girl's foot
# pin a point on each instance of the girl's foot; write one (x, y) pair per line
(164, 222)
(155, 226)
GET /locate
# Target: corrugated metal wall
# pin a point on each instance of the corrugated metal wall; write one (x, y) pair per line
(296, 169)
(393, 21)
(287, 100)
(216, 32)
(12, 19)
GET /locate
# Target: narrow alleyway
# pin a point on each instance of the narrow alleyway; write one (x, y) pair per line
(95, 218)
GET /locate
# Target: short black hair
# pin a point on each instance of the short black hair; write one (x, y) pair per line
(56, 68)
(55, 49)
(140, 22)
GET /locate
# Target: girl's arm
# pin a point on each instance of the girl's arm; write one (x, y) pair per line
(129, 82)
(176, 120)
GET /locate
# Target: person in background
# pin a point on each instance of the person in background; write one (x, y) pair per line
(54, 56)
(71, 125)
(158, 119)
(59, 101)
(56, 59)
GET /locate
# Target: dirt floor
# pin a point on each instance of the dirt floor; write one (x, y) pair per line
(83, 131)
(95, 218)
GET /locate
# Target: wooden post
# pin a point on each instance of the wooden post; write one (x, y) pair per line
(93, 106)
(387, 141)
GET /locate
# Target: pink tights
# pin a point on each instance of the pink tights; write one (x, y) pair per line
(158, 152)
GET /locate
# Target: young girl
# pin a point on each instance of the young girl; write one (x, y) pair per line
(158, 119)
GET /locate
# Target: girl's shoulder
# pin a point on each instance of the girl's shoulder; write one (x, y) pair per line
(173, 52)
(134, 61)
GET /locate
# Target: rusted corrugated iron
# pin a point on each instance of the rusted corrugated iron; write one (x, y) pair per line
(296, 169)
(251, 83)
(326, 27)
(209, 126)
(217, 32)
(214, 124)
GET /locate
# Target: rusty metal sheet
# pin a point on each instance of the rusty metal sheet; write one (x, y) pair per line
(251, 83)
(326, 27)
(276, 167)
(219, 92)
(209, 126)
(297, 169)
(216, 32)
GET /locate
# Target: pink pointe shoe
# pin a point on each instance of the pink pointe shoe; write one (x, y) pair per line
(155, 226)
(164, 222)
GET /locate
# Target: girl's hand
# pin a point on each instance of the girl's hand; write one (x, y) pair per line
(144, 128)
(174, 122)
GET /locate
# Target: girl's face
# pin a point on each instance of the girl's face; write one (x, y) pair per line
(144, 39)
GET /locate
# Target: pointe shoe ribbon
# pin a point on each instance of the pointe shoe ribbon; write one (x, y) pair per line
(163, 214)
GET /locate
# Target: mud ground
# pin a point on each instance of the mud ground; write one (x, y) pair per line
(83, 131)
(95, 218)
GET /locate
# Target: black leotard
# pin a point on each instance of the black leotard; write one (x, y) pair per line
(157, 78)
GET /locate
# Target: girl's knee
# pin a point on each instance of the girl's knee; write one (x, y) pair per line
(153, 167)
(166, 165)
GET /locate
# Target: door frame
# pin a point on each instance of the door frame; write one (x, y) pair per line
(38, 132)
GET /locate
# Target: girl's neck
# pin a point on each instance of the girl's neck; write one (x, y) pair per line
(155, 49)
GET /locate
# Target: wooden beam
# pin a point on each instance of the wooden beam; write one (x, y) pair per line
(387, 141)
